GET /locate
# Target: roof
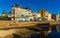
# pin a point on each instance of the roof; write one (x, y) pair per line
(15, 5)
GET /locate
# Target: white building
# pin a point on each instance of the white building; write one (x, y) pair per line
(36, 16)
(20, 13)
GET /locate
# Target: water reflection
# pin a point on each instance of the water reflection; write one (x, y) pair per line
(54, 34)
(33, 33)
(35, 36)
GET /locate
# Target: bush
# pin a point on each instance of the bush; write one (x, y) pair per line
(4, 17)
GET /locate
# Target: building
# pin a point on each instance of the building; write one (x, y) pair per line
(19, 13)
(55, 17)
(45, 15)
(9, 15)
(36, 16)
(4, 13)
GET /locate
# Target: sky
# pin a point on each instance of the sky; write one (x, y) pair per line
(53, 6)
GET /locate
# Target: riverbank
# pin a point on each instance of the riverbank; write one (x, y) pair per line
(18, 32)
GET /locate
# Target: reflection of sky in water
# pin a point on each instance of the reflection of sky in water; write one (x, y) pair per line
(54, 35)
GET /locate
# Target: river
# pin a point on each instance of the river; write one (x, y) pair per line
(23, 32)
(54, 34)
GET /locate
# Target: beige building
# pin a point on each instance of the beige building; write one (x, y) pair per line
(58, 17)
(45, 15)
(36, 16)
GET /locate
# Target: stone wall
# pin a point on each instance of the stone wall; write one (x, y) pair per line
(7, 23)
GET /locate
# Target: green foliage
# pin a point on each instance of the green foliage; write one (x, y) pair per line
(4, 17)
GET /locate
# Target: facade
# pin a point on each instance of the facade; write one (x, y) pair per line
(36, 16)
(55, 17)
(59, 19)
(25, 14)
(19, 12)
(45, 15)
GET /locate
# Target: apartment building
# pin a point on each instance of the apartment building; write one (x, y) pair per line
(20, 13)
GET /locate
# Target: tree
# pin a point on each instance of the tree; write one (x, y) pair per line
(4, 17)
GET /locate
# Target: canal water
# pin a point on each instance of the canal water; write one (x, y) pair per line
(20, 32)
(54, 34)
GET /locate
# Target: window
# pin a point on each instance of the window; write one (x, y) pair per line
(28, 13)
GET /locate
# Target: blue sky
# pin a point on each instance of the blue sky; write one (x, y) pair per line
(53, 6)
